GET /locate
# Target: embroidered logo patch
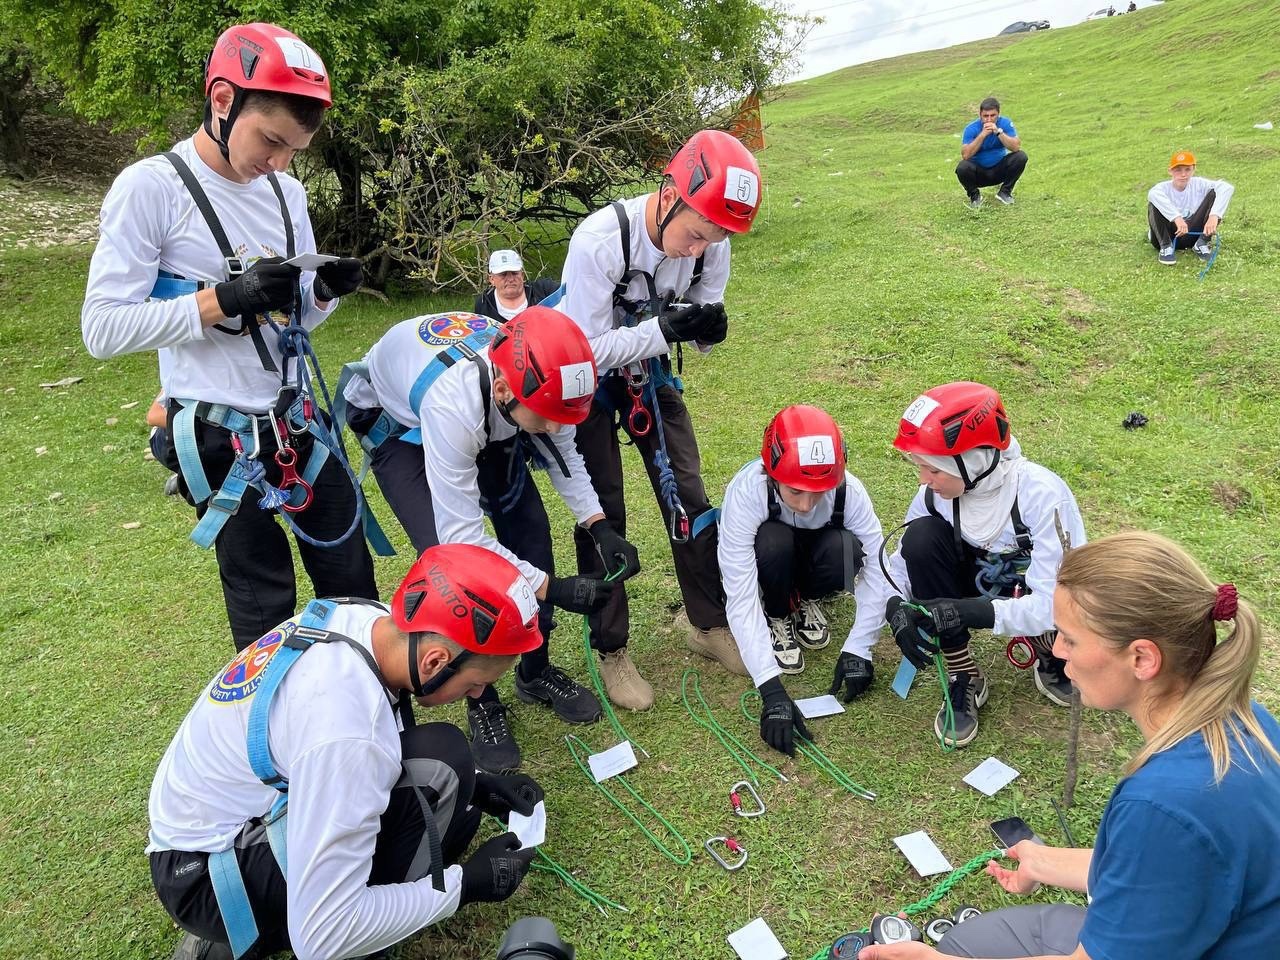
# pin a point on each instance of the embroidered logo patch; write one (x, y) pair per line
(243, 674)
(442, 329)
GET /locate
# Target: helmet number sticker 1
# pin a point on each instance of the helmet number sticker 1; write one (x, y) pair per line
(816, 450)
(577, 380)
(298, 54)
(920, 408)
(741, 185)
(524, 598)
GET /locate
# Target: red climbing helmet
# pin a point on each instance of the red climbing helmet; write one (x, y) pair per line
(546, 360)
(262, 56)
(472, 596)
(803, 448)
(955, 417)
(719, 178)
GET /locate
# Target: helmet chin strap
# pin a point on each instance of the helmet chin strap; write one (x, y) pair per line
(964, 473)
(223, 135)
(442, 676)
(664, 221)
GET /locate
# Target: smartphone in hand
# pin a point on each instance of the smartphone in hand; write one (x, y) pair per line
(1012, 830)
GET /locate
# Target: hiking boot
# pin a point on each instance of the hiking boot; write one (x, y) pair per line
(785, 649)
(975, 200)
(1051, 679)
(716, 643)
(1203, 248)
(493, 747)
(966, 693)
(809, 625)
(193, 948)
(1166, 256)
(622, 681)
(1005, 197)
(571, 701)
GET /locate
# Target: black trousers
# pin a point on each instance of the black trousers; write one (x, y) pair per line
(254, 562)
(1162, 230)
(697, 569)
(1006, 173)
(938, 568)
(807, 563)
(438, 761)
(520, 524)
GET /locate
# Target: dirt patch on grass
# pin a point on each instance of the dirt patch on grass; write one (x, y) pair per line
(47, 213)
(1231, 497)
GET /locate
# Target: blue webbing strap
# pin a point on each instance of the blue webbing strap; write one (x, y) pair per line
(553, 299)
(465, 349)
(184, 443)
(233, 901)
(276, 824)
(707, 518)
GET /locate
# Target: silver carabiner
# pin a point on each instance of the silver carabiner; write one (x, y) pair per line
(729, 844)
(736, 800)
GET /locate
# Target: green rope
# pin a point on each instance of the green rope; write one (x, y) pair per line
(570, 740)
(807, 747)
(737, 750)
(594, 669)
(546, 865)
(938, 892)
(940, 665)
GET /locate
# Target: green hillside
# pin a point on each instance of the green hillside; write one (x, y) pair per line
(865, 281)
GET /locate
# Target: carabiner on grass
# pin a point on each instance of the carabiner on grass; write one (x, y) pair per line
(712, 845)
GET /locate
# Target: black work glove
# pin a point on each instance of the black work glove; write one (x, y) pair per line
(579, 594)
(907, 623)
(854, 674)
(614, 550)
(267, 285)
(498, 795)
(337, 278)
(715, 323)
(681, 324)
(945, 617)
(495, 870)
(780, 718)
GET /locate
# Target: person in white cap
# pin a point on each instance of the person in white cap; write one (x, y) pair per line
(509, 292)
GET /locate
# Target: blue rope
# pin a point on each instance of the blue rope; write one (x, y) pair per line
(661, 461)
(999, 571)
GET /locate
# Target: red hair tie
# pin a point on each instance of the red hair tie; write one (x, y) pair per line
(1224, 608)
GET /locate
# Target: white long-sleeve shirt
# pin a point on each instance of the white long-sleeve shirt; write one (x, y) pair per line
(1041, 495)
(1182, 203)
(455, 430)
(594, 266)
(334, 735)
(745, 508)
(151, 223)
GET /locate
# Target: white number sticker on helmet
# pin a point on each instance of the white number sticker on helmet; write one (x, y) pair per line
(816, 451)
(577, 380)
(920, 408)
(298, 54)
(741, 185)
(524, 598)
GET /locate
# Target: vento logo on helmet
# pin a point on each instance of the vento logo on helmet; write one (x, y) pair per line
(919, 410)
(518, 348)
(440, 580)
(576, 380)
(815, 451)
(523, 596)
(741, 185)
(300, 56)
(981, 413)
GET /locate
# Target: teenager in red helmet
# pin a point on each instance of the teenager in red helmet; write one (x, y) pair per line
(451, 408)
(641, 275)
(984, 537)
(379, 811)
(795, 527)
(162, 279)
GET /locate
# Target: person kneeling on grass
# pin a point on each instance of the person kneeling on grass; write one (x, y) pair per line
(1184, 862)
(1185, 208)
(379, 811)
(796, 526)
(986, 556)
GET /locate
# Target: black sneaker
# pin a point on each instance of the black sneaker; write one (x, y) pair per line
(966, 694)
(571, 701)
(193, 948)
(975, 200)
(493, 747)
(1051, 679)
(1005, 197)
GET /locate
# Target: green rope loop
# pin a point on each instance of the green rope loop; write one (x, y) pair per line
(807, 747)
(940, 665)
(594, 670)
(545, 864)
(690, 679)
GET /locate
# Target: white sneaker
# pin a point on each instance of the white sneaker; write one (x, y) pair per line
(1167, 256)
(809, 625)
(785, 648)
(1203, 248)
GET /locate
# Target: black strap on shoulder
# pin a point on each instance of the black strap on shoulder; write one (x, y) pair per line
(775, 508)
(620, 288)
(290, 247)
(1020, 530)
(552, 451)
(837, 509)
(932, 507)
(697, 270)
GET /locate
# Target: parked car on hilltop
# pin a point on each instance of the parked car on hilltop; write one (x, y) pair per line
(1025, 26)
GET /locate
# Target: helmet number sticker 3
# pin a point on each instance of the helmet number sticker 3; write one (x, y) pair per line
(920, 408)
(816, 450)
(741, 185)
(524, 598)
(577, 380)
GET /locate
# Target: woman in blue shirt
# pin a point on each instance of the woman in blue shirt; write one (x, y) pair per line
(1184, 863)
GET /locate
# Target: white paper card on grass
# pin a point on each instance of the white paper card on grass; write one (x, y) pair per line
(991, 775)
(609, 763)
(756, 941)
(310, 261)
(531, 829)
(922, 853)
(823, 706)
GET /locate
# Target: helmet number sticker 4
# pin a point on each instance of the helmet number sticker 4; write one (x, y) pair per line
(741, 185)
(816, 451)
(524, 598)
(920, 408)
(577, 380)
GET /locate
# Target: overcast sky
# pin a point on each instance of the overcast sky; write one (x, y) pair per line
(855, 31)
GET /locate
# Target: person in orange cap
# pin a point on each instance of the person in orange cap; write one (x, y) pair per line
(1185, 210)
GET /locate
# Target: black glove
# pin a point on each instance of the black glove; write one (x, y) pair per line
(681, 324)
(780, 718)
(854, 674)
(579, 594)
(907, 623)
(614, 550)
(337, 278)
(945, 618)
(267, 285)
(495, 870)
(715, 324)
(498, 795)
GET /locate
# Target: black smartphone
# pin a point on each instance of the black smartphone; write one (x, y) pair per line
(1012, 830)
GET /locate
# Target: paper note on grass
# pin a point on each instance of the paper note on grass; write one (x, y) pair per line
(990, 775)
(756, 941)
(531, 830)
(823, 706)
(609, 763)
(902, 680)
(309, 261)
(923, 853)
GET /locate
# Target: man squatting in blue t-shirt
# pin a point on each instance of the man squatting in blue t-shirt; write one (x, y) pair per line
(990, 153)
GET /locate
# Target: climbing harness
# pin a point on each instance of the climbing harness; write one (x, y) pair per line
(713, 845)
(690, 680)
(810, 749)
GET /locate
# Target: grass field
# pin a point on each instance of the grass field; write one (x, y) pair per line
(865, 280)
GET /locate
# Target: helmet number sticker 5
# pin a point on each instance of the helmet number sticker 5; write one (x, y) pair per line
(577, 380)
(920, 408)
(741, 185)
(816, 450)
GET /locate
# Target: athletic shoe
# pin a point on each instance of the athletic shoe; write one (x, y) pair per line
(1203, 248)
(1005, 197)
(571, 701)
(785, 649)
(966, 693)
(1166, 256)
(493, 747)
(193, 948)
(809, 625)
(975, 200)
(1051, 679)
(623, 683)
(716, 643)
